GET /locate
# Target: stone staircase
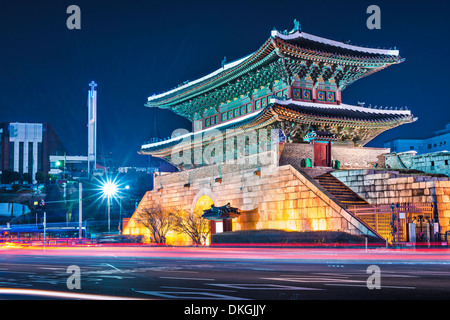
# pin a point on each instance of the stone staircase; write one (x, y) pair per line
(338, 192)
(346, 197)
(341, 193)
(315, 172)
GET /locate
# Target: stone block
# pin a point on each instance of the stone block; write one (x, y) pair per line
(312, 213)
(321, 212)
(406, 193)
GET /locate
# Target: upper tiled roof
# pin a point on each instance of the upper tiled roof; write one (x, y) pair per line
(298, 45)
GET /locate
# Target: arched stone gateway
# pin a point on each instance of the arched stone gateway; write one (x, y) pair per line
(204, 203)
(203, 198)
(201, 203)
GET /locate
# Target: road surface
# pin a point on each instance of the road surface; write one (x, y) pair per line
(225, 274)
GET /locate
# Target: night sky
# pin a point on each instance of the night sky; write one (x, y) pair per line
(134, 49)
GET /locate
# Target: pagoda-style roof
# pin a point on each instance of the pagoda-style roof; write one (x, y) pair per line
(343, 113)
(293, 83)
(342, 121)
(180, 99)
(281, 58)
(221, 213)
(335, 49)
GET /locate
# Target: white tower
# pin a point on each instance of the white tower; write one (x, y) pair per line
(92, 128)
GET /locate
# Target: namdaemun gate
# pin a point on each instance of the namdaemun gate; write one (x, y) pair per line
(273, 146)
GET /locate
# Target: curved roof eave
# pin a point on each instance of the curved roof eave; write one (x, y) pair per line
(300, 34)
(192, 83)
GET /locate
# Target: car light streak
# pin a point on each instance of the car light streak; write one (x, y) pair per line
(59, 294)
(416, 255)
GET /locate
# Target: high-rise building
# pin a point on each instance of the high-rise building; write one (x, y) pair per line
(26, 147)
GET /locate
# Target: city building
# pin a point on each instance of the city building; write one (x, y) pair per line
(439, 142)
(26, 147)
(429, 155)
(269, 132)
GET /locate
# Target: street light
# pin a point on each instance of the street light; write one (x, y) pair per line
(109, 189)
(127, 187)
(113, 189)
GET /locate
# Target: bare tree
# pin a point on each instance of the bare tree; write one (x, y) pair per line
(159, 221)
(192, 224)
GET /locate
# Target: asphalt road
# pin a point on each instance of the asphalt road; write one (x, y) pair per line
(224, 274)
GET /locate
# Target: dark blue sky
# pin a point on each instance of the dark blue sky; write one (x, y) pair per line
(133, 49)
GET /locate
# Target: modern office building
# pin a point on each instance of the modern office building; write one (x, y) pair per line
(26, 147)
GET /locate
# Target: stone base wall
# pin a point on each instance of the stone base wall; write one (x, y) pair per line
(359, 157)
(434, 163)
(380, 187)
(275, 197)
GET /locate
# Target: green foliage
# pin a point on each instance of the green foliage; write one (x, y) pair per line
(40, 177)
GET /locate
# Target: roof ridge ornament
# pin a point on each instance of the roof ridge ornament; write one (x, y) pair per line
(297, 26)
(224, 61)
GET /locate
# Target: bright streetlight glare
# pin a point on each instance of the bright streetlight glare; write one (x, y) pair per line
(109, 189)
